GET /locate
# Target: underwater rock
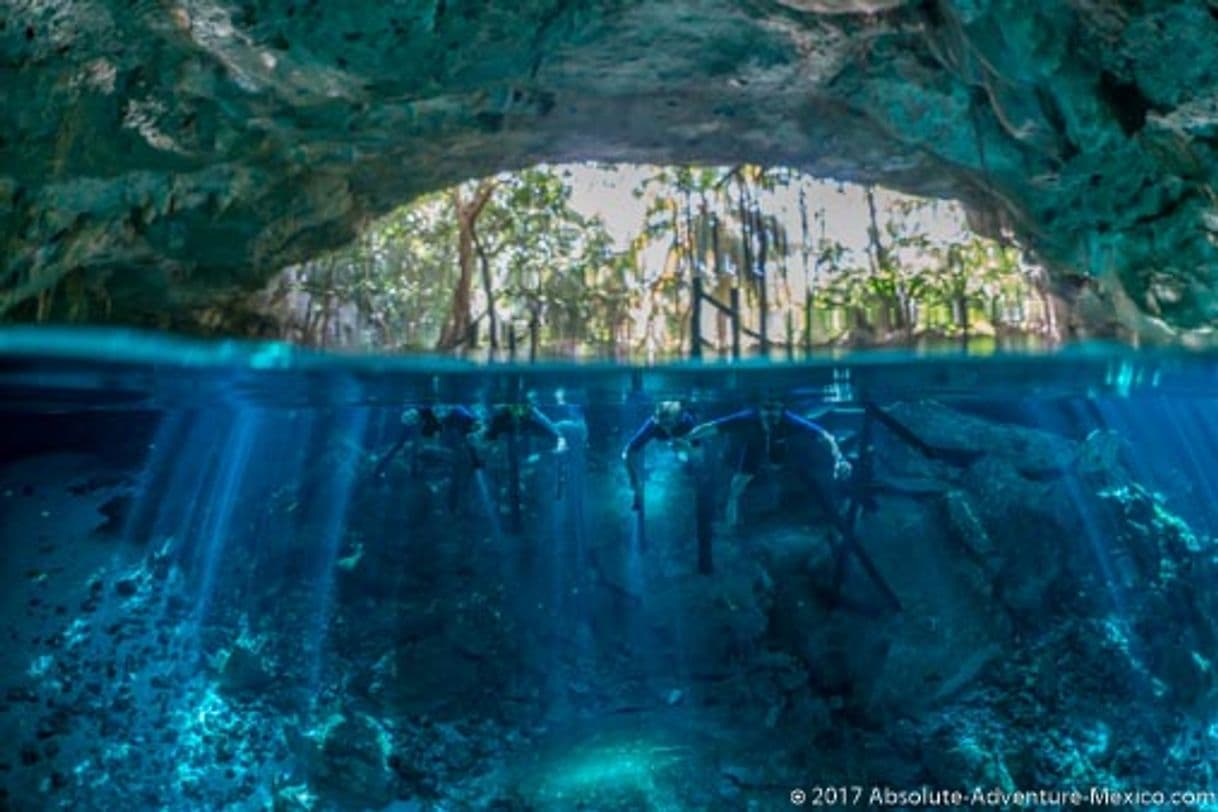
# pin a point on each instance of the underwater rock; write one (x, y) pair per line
(1015, 660)
(970, 759)
(351, 762)
(244, 672)
(429, 676)
(1036, 454)
(224, 141)
(1163, 573)
(732, 617)
(1102, 454)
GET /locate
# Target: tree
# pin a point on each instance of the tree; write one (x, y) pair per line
(711, 264)
(467, 206)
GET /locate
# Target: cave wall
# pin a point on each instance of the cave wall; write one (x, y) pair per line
(155, 156)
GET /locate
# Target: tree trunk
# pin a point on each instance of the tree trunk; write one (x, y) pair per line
(534, 335)
(488, 289)
(745, 272)
(695, 277)
(456, 328)
(808, 306)
(878, 254)
(327, 307)
(763, 285)
(962, 313)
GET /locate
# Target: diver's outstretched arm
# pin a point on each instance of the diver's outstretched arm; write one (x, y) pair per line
(841, 466)
(712, 427)
(544, 427)
(383, 463)
(632, 458)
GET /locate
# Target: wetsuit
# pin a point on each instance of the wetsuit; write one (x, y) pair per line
(761, 448)
(653, 430)
(458, 423)
(514, 422)
(524, 421)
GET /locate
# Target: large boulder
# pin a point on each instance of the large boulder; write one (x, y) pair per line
(349, 757)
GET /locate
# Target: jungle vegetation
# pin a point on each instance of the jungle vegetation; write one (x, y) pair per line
(507, 265)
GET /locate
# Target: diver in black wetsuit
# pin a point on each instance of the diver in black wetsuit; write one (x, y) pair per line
(514, 422)
(765, 433)
(439, 432)
(523, 420)
(670, 421)
(450, 425)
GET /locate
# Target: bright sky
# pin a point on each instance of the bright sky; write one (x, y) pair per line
(608, 192)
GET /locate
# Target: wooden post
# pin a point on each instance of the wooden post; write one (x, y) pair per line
(640, 519)
(763, 288)
(718, 260)
(790, 334)
(735, 316)
(704, 509)
(514, 478)
(808, 321)
(746, 271)
(695, 318)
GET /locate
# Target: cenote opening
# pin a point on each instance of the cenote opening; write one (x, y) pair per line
(653, 406)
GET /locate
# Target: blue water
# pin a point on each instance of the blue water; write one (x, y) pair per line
(213, 598)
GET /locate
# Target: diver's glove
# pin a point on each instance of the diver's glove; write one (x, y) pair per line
(682, 446)
(842, 468)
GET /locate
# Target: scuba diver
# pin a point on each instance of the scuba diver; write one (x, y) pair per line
(673, 423)
(523, 420)
(765, 432)
(669, 422)
(434, 423)
(515, 422)
(453, 432)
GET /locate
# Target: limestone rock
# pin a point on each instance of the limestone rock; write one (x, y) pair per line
(245, 672)
(352, 757)
(158, 156)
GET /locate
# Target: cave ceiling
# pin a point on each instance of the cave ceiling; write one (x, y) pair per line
(174, 152)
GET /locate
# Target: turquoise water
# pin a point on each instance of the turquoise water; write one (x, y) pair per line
(166, 371)
(220, 595)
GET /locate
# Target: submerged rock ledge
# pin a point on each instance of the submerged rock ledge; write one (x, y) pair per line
(172, 153)
(1058, 627)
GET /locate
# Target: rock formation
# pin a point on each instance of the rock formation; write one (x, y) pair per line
(157, 155)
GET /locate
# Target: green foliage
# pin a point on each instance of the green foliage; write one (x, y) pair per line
(917, 284)
(554, 275)
(550, 279)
